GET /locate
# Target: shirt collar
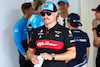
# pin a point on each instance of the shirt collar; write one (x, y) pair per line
(24, 18)
(55, 27)
(62, 18)
(75, 29)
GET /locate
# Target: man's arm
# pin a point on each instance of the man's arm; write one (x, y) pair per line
(96, 41)
(27, 38)
(34, 58)
(68, 55)
(87, 50)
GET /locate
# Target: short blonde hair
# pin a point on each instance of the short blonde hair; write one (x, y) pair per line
(36, 3)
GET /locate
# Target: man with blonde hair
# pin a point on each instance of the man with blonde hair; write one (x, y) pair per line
(35, 20)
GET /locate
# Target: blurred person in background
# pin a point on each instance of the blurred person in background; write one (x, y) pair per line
(20, 35)
(62, 17)
(35, 20)
(96, 33)
(81, 40)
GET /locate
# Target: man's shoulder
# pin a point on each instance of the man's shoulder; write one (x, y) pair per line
(64, 29)
(18, 23)
(35, 16)
(83, 33)
(41, 27)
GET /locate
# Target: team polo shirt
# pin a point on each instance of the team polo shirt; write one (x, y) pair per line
(82, 42)
(55, 40)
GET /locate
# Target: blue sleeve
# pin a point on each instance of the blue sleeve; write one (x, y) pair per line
(18, 37)
(40, 22)
(34, 21)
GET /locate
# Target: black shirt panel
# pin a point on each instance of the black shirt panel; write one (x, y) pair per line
(57, 33)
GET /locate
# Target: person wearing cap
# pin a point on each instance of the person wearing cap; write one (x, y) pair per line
(20, 35)
(62, 17)
(35, 20)
(53, 42)
(81, 41)
(96, 33)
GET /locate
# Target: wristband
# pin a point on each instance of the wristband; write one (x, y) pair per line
(93, 29)
(53, 56)
(25, 56)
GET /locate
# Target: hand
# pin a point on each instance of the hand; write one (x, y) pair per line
(35, 59)
(94, 22)
(46, 56)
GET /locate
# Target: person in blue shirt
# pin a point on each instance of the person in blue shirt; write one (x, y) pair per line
(20, 35)
(35, 20)
(81, 41)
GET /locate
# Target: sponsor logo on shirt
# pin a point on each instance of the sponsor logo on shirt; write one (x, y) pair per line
(40, 33)
(80, 40)
(70, 32)
(52, 44)
(45, 43)
(57, 33)
(16, 30)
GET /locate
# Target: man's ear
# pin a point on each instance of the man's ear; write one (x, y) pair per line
(26, 11)
(39, 7)
(68, 5)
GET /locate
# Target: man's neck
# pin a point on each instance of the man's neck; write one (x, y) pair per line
(73, 27)
(64, 15)
(51, 25)
(99, 21)
(25, 16)
(36, 12)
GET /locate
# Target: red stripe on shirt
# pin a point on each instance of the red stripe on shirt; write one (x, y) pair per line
(70, 47)
(49, 44)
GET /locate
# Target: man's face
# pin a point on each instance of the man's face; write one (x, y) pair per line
(48, 17)
(97, 14)
(63, 7)
(30, 11)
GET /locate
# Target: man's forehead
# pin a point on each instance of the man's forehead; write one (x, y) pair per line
(62, 3)
(46, 11)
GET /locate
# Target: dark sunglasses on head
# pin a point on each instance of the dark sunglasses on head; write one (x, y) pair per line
(43, 13)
